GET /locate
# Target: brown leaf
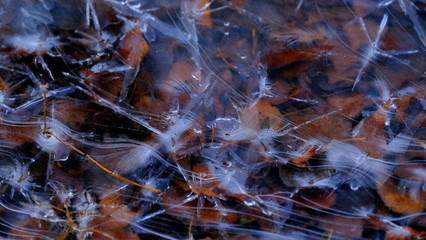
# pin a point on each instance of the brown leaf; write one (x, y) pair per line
(178, 82)
(175, 203)
(107, 233)
(404, 233)
(201, 182)
(114, 216)
(133, 48)
(207, 214)
(372, 129)
(72, 113)
(393, 231)
(401, 203)
(29, 229)
(202, 10)
(106, 84)
(362, 7)
(351, 105)
(4, 87)
(14, 136)
(231, 217)
(412, 171)
(309, 152)
(266, 224)
(376, 223)
(345, 228)
(291, 55)
(238, 3)
(262, 115)
(316, 197)
(335, 126)
(402, 107)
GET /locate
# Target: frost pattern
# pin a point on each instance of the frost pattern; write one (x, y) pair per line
(298, 119)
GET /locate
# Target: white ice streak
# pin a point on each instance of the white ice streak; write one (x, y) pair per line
(18, 176)
(91, 14)
(49, 143)
(408, 8)
(137, 157)
(171, 138)
(373, 47)
(399, 144)
(351, 162)
(31, 43)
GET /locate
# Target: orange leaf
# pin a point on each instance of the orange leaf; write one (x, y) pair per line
(4, 87)
(307, 153)
(86, 72)
(401, 203)
(202, 6)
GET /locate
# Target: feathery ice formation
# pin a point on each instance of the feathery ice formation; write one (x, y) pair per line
(212, 119)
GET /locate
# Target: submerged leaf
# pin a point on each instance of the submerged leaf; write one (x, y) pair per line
(133, 48)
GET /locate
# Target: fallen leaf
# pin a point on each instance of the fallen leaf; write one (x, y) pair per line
(179, 82)
(133, 48)
(106, 84)
(31, 228)
(339, 227)
(372, 131)
(321, 198)
(4, 87)
(14, 136)
(393, 231)
(202, 11)
(290, 55)
(176, 203)
(113, 217)
(399, 202)
(261, 115)
(351, 105)
(307, 153)
(404, 233)
(238, 3)
(207, 214)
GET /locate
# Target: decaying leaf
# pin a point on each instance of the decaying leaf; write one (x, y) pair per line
(202, 12)
(372, 129)
(261, 115)
(3, 86)
(179, 82)
(133, 48)
(394, 231)
(307, 153)
(176, 203)
(398, 201)
(106, 84)
(291, 55)
(254, 119)
(113, 217)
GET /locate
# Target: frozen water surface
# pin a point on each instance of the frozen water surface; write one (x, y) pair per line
(212, 119)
